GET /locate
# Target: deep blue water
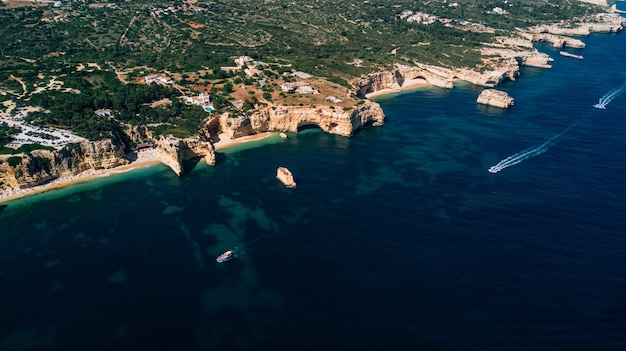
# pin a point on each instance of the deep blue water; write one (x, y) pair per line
(396, 238)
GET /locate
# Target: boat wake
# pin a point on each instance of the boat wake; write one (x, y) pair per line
(608, 97)
(522, 155)
(531, 152)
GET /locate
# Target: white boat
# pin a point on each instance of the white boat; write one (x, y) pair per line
(226, 256)
(599, 106)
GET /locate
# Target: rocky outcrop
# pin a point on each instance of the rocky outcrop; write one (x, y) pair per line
(285, 176)
(333, 120)
(497, 98)
(502, 57)
(569, 54)
(557, 41)
(505, 67)
(396, 78)
(539, 59)
(173, 152)
(601, 23)
(42, 166)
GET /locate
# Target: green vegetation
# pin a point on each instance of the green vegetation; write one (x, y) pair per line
(185, 124)
(14, 161)
(6, 132)
(118, 43)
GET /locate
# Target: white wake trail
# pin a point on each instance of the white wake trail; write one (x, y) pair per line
(610, 96)
(520, 157)
(528, 153)
(532, 152)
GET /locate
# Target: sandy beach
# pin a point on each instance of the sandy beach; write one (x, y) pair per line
(226, 141)
(407, 85)
(144, 159)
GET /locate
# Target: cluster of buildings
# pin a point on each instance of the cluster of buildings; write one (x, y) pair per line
(158, 11)
(418, 17)
(202, 99)
(158, 78)
(298, 87)
(248, 64)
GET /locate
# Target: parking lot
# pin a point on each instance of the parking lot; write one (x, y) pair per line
(31, 134)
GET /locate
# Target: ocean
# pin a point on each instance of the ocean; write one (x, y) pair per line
(397, 238)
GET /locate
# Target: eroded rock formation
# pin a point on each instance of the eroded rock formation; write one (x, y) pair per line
(332, 120)
(396, 78)
(173, 152)
(497, 98)
(41, 166)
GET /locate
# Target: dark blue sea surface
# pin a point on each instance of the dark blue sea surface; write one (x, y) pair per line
(395, 239)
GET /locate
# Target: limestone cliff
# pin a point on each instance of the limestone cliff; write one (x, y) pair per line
(41, 166)
(396, 78)
(495, 98)
(506, 66)
(557, 41)
(332, 120)
(173, 152)
(601, 23)
(501, 58)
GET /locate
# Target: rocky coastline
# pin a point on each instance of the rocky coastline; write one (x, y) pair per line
(41, 167)
(507, 54)
(504, 58)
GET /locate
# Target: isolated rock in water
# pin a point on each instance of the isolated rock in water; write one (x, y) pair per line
(285, 176)
(283, 136)
(495, 98)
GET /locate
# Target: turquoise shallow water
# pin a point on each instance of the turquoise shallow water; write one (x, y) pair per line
(395, 238)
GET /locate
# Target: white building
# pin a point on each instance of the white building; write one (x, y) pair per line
(158, 79)
(200, 100)
(243, 61)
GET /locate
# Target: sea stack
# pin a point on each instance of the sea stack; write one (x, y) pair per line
(285, 176)
(283, 136)
(497, 98)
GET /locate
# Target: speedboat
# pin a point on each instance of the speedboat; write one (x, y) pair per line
(599, 106)
(226, 256)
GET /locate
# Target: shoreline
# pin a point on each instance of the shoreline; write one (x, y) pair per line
(145, 159)
(226, 141)
(408, 84)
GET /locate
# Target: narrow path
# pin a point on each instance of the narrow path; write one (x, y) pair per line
(127, 28)
(22, 83)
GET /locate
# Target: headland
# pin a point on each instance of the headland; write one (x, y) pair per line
(68, 116)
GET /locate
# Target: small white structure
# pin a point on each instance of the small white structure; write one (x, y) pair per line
(103, 112)
(289, 87)
(333, 99)
(157, 78)
(299, 87)
(305, 89)
(243, 61)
